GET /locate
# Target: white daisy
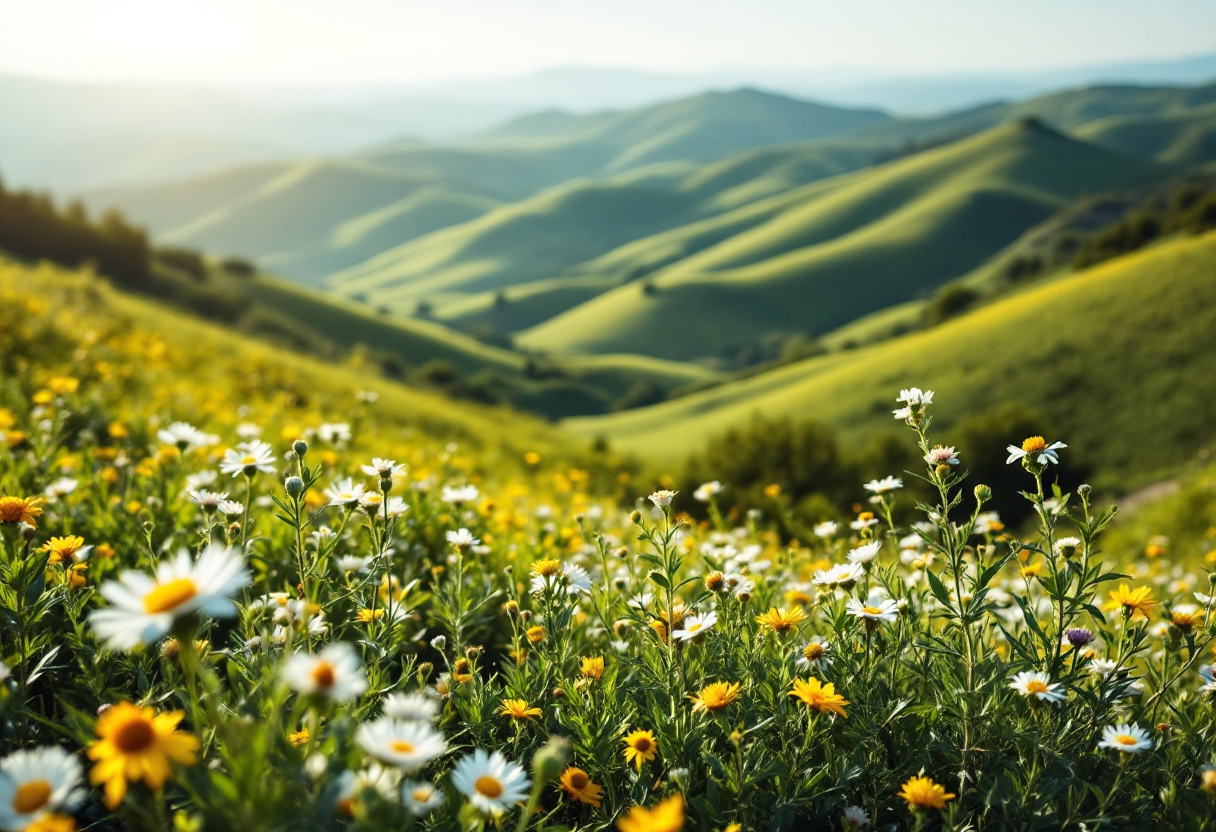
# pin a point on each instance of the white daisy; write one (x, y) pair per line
(884, 485)
(1208, 672)
(248, 458)
(462, 539)
(344, 492)
(144, 607)
(1038, 685)
(841, 574)
(706, 491)
(407, 746)
(420, 798)
(36, 782)
(814, 655)
(662, 498)
(231, 508)
(1125, 737)
(334, 673)
(1102, 667)
(874, 608)
(336, 433)
(913, 396)
(825, 529)
(383, 468)
(181, 435)
(491, 782)
(209, 501)
(942, 455)
(855, 817)
(987, 521)
(411, 707)
(695, 625)
(379, 778)
(60, 488)
(352, 563)
(458, 496)
(248, 430)
(396, 507)
(865, 552)
(1037, 448)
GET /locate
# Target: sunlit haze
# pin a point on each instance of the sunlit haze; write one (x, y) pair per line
(401, 42)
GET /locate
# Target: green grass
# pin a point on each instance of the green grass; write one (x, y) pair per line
(1118, 356)
(1186, 138)
(854, 245)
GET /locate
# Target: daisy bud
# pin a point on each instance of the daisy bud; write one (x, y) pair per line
(983, 493)
(511, 608)
(294, 486)
(473, 651)
(300, 447)
(635, 517)
(558, 693)
(942, 470)
(234, 531)
(386, 484)
(525, 615)
(27, 532)
(549, 761)
(170, 648)
(1084, 490)
(579, 517)
(439, 642)
(620, 553)
(715, 582)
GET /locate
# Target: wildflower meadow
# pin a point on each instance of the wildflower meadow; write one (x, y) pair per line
(219, 623)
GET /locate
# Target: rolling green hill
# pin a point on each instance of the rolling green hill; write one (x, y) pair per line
(1103, 354)
(706, 126)
(1187, 137)
(853, 245)
(308, 219)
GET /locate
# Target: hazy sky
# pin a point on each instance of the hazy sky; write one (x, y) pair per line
(393, 42)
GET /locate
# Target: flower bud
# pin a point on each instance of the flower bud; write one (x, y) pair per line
(300, 447)
(983, 493)
(294, 486)
(1084, 490)
(635, 517)
(550, 760)
(439, 642)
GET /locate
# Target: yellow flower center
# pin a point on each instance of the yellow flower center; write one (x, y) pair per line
(402, 747)
(1034, 444)
(134, 736)
(323, 675)
(1126, 739)
(488, 786)
(1036, 686)
(31, 796)
(248, 459)
(579, 780)
(693, 627)
(421, 795)
(168, 596)
(871, 610)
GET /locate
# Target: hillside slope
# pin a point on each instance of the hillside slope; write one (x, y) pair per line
(1101, 354)
(856, 244)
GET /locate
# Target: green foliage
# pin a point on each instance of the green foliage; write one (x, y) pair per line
(1110, 352)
